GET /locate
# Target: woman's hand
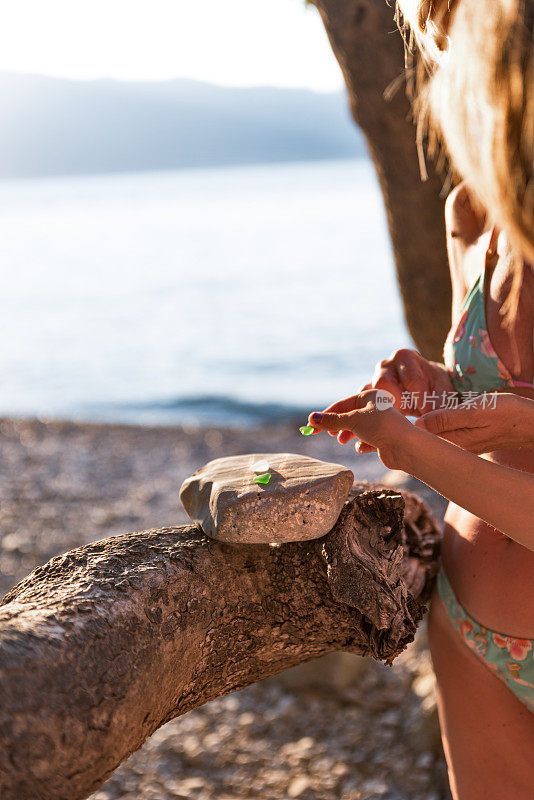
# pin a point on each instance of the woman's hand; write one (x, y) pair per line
(410, 377)
(416, 384)
(481, 426)
(471, 482)
(372, 417)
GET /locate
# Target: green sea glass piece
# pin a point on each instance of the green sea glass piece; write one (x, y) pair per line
(265, 478)
(307, 430)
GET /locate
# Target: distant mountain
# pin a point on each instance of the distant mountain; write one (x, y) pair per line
(51, 126)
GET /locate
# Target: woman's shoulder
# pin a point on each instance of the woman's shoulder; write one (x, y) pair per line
(466, 222)
(465, 216)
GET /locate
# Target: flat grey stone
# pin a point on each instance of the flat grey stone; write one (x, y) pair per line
(302, 500)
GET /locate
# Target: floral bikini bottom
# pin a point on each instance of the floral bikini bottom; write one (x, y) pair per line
(509, 658)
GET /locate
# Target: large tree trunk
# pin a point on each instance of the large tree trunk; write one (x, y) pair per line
(370, 51)
(104, 644)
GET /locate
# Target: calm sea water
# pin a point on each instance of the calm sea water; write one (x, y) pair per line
(232, 296)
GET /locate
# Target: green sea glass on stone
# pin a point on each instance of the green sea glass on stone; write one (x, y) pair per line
(265, 478)
(307, 430)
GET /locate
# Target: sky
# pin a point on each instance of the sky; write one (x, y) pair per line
(233, 43)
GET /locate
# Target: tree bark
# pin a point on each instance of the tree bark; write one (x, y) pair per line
(104, 644)
(370, 52)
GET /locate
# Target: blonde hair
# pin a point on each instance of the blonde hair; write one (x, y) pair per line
(425, 22)
(476, 92)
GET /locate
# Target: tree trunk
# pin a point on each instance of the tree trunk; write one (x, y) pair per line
(370, 52)
(104, 644)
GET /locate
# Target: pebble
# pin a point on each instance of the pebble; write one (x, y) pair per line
(298, 785)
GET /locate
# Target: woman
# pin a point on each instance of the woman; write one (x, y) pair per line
(481, 626)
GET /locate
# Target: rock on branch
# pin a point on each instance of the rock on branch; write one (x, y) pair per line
(104, 644)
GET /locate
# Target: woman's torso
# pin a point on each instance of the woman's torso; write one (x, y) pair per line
(491, 574)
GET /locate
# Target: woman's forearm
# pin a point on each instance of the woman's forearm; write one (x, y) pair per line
(501, 496)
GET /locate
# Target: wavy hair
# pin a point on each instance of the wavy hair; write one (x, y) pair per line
(475, 97)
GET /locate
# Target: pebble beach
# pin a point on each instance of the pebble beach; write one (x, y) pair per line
(339, 728)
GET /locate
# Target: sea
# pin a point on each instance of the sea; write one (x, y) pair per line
(237, 296)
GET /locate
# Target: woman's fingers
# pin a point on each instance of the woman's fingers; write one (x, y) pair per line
(447, 420)
(346, 405)
(403, 373)
(335, 422)
(363, 447)
(345, 436)
(411, 375)
(436, 422)
(375, 424)
(343, 406)
(464, 426)
(385, 377)
(400, 373)
(329, 421)
(475, 440)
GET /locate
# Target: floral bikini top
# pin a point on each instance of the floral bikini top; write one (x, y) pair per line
(473, 364)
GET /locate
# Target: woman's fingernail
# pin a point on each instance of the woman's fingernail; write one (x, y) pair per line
(316, 416)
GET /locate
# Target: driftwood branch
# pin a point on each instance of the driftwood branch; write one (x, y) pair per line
(370, 52)
(102, 645)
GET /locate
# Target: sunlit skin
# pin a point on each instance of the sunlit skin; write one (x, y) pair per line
(488, 545)
(480, 427)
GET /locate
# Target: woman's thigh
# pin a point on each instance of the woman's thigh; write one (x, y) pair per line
(487, 733)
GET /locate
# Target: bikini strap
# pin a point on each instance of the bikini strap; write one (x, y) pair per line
(491, 252)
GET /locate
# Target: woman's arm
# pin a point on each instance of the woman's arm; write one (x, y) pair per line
(501, 496)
